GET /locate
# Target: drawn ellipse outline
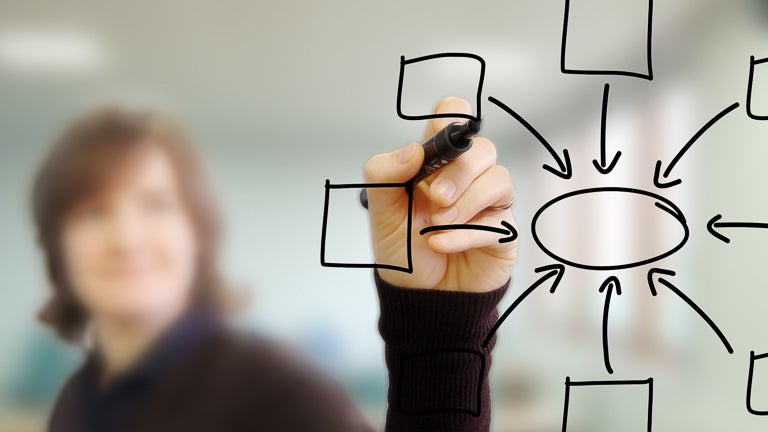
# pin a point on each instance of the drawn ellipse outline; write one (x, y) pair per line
(661, 202)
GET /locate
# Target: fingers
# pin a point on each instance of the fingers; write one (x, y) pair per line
(492, 188)
(451, 182)
(451, 104)
(456, 241)
(403, 164)
(398, 166)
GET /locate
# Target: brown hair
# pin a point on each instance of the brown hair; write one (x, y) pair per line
(82, 161)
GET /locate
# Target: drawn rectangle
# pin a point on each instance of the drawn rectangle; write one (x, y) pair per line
(455, 363)
(753, 359)
(627, 402)
(591, 29)
(476, 82)
(408, 268)
(757, 89)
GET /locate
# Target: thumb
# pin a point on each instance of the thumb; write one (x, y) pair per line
(398, 166)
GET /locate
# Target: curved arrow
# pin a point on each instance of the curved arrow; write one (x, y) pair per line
(509, 231)
(657, 171)
(714, 223)
(611, 283)
(601, 165)
(687, 300)
(564, 165)
(556, 270)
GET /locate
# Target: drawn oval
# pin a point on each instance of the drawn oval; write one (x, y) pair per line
(608, 200)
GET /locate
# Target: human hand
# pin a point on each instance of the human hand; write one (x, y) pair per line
(473, 189)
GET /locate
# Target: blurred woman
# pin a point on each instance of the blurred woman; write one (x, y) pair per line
(130, 231)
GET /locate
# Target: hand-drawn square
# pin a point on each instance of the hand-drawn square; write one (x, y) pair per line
(588, 38)
(454, 371)
(752, 359)
(762, 85)
(404, 63)
(328, 187)
(642, 421)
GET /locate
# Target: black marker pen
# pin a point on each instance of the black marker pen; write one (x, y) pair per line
(440, 149)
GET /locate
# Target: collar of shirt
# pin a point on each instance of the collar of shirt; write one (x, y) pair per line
(107, 409)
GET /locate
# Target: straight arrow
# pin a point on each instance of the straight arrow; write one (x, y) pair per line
(608, 286)
(715, 223)
(509, 231)
(601, 165)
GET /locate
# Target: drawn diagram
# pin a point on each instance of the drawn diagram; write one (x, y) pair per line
(478, 97)
(586, 46)
(753, 64)
(409, 400)
(553, 275)
(752, 359)
(408, 186)
(645, 385)
(665, 205)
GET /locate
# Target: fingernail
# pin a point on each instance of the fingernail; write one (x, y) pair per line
(446, 188)
(449, 214)
(405, 153)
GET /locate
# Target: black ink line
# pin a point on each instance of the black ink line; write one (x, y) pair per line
(409, 226)
(752, 64)
(363, 185)
(648, 51)
(404, 62)
(564, 164)
(752, 359)
(567, 403)
(662, 203)
(646, 382)
(654, 271)
(667, 171)
(601, 165)
(509, 231)
(698, 310)
(674, 212)
(556, 269)
(609, 284)
(609, 383)
(650, 404)
(698, 135)
(714, 223)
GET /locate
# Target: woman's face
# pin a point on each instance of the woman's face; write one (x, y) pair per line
(130, 252)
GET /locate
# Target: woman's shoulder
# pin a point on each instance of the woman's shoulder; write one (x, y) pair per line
(279, 386)
(252, 355)
(68, 402)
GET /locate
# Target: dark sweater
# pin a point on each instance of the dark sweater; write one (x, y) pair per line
(203, 377)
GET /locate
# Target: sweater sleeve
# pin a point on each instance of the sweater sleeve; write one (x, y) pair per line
(437, 362)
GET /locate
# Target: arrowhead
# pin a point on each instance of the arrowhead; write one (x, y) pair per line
(606, 169)
(564, 167)
(559, 271)
(712, 224)
(512, 233)
(612, 282)
(653, 271)
(657, 176)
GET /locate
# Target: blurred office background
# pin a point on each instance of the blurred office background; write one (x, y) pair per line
(282, 96)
